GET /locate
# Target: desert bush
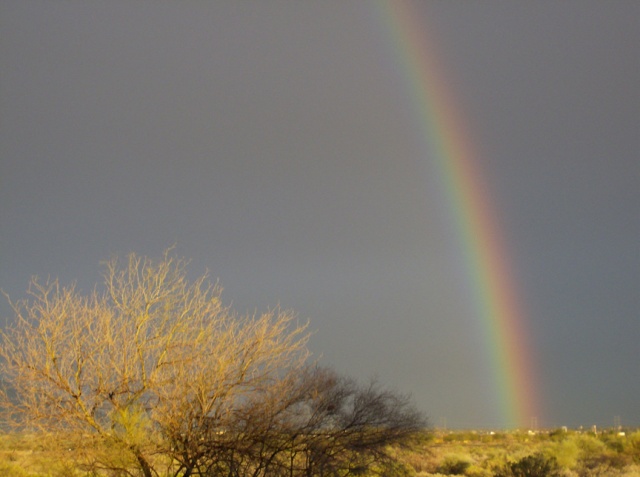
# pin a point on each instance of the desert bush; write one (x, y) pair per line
(535, 465)
(498, 437)
(613, 441)
(589, 444)
(475, 470)
(603, 464)
(632, 446)
(454, 465)
(558, 435)
(565, 451)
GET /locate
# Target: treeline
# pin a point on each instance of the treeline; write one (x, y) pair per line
(151, 375)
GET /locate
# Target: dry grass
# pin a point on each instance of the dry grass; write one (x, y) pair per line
(471, 454)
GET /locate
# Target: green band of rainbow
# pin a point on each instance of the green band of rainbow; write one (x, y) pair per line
(486, 255)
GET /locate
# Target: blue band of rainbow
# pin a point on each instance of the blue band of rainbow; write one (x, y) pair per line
(450, 148)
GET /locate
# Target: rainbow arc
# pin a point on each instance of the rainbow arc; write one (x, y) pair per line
(451, 149)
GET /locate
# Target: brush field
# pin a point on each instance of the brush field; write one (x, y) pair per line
(557, 453)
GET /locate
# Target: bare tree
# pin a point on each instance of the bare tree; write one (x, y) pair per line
(315, 423)
(154, 376)
(150, 366)
(354, 425)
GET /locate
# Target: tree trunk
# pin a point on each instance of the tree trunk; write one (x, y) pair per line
(144, 465)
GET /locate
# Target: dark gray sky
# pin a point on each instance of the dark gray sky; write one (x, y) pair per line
(274, 143)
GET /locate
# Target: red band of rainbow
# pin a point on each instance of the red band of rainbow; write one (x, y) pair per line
(449, 144)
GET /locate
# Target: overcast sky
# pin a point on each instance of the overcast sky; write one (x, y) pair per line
(274, 142)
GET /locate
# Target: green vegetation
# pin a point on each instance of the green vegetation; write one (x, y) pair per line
(480, 454)
(555, 453)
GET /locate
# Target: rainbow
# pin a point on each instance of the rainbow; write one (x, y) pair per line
(452, 149)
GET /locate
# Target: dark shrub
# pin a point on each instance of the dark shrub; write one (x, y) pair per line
(536, 465)
(453, 467)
